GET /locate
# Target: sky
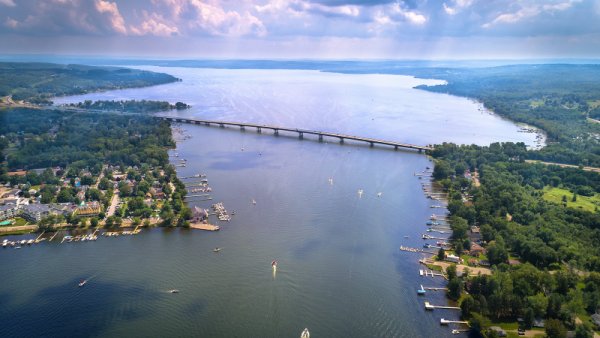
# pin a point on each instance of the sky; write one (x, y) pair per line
(308, 29)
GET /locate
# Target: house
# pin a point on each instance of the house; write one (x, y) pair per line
(14, 193)
(476, 250)
(35, 212)
(17, 173)
(452, 258)
(475, 234)
(88, 209)
(8, 211)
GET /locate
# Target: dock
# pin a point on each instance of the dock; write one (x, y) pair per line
(431, 307)
(446, 322)
(427, 273)
(204, 226)
(415, 250)
(56, 233)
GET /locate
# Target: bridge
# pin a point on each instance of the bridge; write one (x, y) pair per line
(301, 132)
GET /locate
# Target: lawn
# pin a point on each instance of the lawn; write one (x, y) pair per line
(555, 195)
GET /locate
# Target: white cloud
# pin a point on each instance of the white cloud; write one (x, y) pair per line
(112, 10)
(154, 24)
(11, 23)
(9, 3)
(215, 20)
(530, 11)
(410, 16)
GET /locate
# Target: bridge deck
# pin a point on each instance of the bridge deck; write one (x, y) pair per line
(296, 130)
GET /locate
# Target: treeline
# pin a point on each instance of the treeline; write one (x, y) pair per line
(39, 82)
(555, 98)
(47, 138)
(130, 106)
(554, 243)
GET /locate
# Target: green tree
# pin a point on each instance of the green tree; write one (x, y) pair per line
(479, 323)
(555, 329)
(441, 254)
(454, 288)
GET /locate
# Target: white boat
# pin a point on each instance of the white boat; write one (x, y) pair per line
(29, 242)
(254, 201)
(274, 265)
(82, 283)
(305, 334)
(174, 291)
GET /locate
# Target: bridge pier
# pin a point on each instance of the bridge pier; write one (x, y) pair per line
(242, 127)
(371, 144)
(320, 137)
(341, 140)
(395, 147)
(258, 130)
(221, 125)
(276, 132)
(300, 135)
(207, 123)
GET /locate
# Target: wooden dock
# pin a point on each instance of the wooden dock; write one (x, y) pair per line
(204, 226)
(446, 322)
(431, 307)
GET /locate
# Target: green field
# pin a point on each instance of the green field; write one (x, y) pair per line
(555, 195)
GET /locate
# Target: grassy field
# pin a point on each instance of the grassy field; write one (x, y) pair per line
(555, 195)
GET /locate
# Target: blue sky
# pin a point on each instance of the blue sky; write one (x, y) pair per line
(340, 29)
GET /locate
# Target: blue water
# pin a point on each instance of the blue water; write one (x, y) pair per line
(340, 272)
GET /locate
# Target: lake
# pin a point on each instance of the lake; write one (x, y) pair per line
(340, 270)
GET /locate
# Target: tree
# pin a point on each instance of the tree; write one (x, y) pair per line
(94, 222)
(441, 254)
(582, 331)
(451, 271)
(468, 305)
(479, 323)
(555, 329)
(574, 199)
(454, 288)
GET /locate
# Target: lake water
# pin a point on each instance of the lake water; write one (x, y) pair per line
(340, 271)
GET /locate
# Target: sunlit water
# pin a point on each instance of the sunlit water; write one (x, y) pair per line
(340, 271)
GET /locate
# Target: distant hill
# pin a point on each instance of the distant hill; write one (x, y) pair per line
(39, 82)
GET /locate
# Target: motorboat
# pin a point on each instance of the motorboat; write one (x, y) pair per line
(421, 291)
(274, 265)
(305, 333)
(82, 283)
(217, 249)
(174, 291)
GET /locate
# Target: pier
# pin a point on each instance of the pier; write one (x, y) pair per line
(431, 307)
(415, 250)
(204, 226)
(301, 132)
(446, 322)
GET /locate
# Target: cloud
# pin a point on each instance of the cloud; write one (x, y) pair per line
(529, 11)
(154, 24)
(457, 6)
(112, 11)
(11, 23)
(9, 3)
